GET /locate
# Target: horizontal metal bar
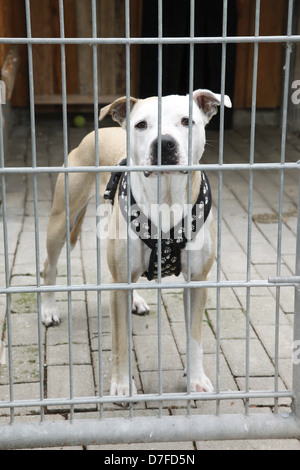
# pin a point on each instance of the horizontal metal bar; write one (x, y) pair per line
(195, 396)
(156, 40)
(161, 168)
(290, 280)
(133, 286)
(149, 429)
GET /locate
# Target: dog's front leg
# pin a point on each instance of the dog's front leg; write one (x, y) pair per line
(199, 382)
(120, 381)
(55, 240)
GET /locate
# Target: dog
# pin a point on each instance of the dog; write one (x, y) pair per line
(147, 149)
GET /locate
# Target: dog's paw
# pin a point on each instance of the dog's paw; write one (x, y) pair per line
(121, 388)
(50, 316)
(201, 384)
(139, 305)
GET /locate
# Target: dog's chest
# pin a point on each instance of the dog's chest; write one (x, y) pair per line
(165, 256)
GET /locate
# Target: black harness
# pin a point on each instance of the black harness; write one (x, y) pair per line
(172, 242)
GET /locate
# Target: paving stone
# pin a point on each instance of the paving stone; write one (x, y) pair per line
(24, 329)
(266, 384)
(147, 352)
(59, 354)
(235, 352)
(60, 334)
(58, 383)
(232, 323)
(25, 365)
(266, 335)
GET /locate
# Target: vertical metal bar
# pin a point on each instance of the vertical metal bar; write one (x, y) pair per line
(129, 298)
(97, 183)
(67, 197)
(159, 293)
(280, 208)
(35, 193)
(220, 192)
(250, 200)
(296, 361)
(7, 268)
(189, 196)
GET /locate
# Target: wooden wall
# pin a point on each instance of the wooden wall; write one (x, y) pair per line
(111, 23)
(273, 21)
(79, 59)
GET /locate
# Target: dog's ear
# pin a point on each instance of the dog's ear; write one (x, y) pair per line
(208, 102)
(117, 110)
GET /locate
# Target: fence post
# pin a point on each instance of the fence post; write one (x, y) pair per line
(296, 358)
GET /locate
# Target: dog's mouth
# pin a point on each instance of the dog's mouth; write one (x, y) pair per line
(155, 173)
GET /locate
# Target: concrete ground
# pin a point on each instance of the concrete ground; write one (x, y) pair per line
(22, 271)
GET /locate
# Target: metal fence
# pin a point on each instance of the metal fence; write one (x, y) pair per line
(217, 426)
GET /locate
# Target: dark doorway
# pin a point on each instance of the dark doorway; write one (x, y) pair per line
(208, 57)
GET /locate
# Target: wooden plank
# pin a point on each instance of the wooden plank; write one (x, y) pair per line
(70, 15)
(85, 51)
(242, 53)
(56, 99)
(9, 70)
(136, 18)
(270, 64)
(47, 58)
(42, 26)
(108, 53)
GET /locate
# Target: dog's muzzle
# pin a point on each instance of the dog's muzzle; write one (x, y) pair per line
(169, 152)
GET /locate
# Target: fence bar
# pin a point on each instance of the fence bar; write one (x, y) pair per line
(187, 292)
(159, 168)
(35, 202)
(281, 189)
(170, 428)
(296, 365)
(6, 263)
(220, 201)
(234, 395)
(129, 248)
(67, 197)
(250, 197)
(152, 40)
(97, 186)
(159, 130)
(292, 281)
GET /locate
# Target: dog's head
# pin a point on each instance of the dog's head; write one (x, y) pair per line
(175, 125)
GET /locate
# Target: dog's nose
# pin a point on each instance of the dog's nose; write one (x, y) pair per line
(169, 150)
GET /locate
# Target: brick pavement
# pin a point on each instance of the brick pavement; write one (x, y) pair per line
(21, 249)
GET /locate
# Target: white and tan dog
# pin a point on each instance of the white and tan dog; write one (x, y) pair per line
(144, 140)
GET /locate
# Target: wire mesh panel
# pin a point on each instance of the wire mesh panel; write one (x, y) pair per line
(251, 320)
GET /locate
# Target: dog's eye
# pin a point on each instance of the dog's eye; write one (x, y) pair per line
(186, 122)
(141, 125)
